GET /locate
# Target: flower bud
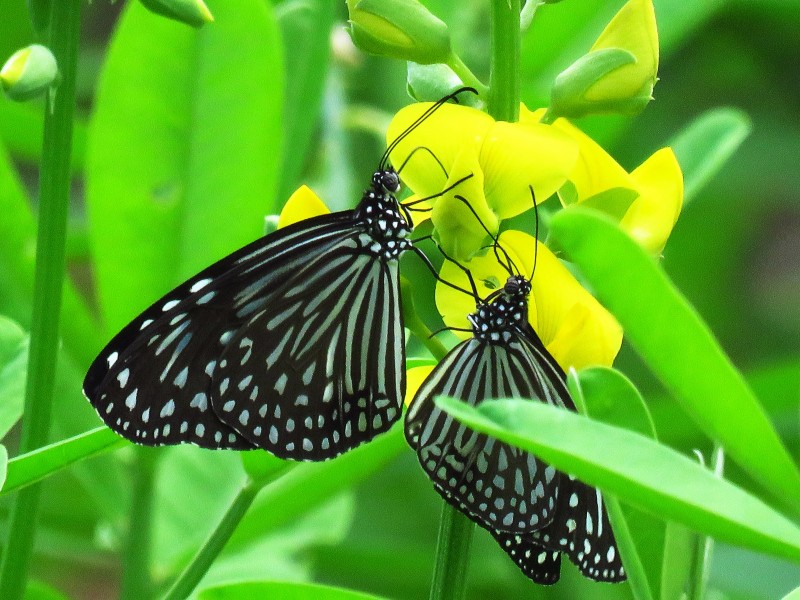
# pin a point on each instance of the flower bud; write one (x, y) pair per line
(402, 29)
(618, 73)
(29, 72)
(191, 12)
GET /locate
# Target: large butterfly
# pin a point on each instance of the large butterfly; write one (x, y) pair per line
(293, 344)
(534, 511)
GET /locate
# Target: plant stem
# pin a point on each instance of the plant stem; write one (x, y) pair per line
(136, 579)
(504, 80)
(452, 555)
(455, 529)
(466, 76)
(54, 201)
(212, 547)
(704, 544)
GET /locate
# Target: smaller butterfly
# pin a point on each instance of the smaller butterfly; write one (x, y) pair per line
(534, 511)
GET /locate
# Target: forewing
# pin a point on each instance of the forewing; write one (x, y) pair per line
(498, 485)
(151, 382)
(324, 372)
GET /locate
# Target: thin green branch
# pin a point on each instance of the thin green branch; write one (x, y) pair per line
(452, 555)
(137, 583)
(466, 76)
(212, 547)
(455, 529)
(504, 95)
(48, 280)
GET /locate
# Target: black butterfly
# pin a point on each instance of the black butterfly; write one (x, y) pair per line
(534, 511)
(293, 344)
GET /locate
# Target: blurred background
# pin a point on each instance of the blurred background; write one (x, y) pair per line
(735, 253)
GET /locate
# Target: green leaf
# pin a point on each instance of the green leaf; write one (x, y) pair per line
(635, 469)
(706, 144)
(184, 149)
(793, 595)
(43, 462)
(612, 398)
(13, 364)
(3, 466)
(36, 590)
(306, 28)
(258, 590)
(677, 346)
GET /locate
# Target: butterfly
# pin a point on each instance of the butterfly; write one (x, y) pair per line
(293, 344)
(535, 512)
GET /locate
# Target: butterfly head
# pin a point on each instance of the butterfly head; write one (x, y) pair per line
(503, 312)
(386, 181)
(517, 287)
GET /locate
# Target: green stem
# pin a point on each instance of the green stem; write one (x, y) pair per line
(466, 76)
(136, 579)
(54, 201)
(455, 529)
(212, 547)
(704, 544)
(452, 555)
(504, 95)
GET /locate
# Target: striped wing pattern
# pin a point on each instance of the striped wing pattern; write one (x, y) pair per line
(500, 486)
(330, 362)
(154, 382)
(580, 528)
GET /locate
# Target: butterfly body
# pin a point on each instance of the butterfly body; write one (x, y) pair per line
(533, 510)
(293, 344)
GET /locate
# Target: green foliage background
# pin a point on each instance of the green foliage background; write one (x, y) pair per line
(273, 95)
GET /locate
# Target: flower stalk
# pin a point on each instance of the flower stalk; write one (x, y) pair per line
(48, 280)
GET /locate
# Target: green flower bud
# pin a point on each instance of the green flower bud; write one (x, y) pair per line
(191, 12)
(619, 72)
(29, 73)
(402, 29)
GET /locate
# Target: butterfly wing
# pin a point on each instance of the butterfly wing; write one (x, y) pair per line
(539, 564)
(323, 372)
(151, 382)
(499, 486)
(580, 528)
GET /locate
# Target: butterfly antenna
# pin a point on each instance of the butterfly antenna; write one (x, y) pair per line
(441, 193)
(509, 265)
(426, 261)
(467, 272)
(443, 329)
(535, 230)
(430, 110)
(429, 151)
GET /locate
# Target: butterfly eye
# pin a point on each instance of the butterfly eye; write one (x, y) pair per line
(390, 181)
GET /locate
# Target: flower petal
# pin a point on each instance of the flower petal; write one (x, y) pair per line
(461, 216)
(435, 143)
(651, 217)
(514, 156)
(588, 334)
(414, 378)
(302, 204)
(633, 29)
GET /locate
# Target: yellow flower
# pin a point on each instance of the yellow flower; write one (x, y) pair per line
(619, 71)
(498, 162)
(646, 202)
(633, 29)
(302, 204)
(572, 325)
